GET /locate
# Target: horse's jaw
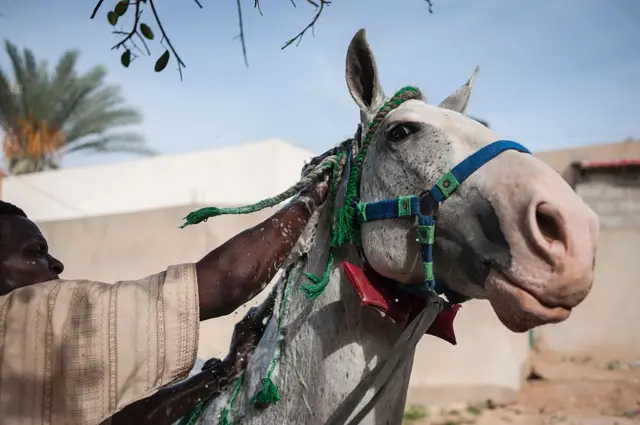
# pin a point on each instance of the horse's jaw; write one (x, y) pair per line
(330, 344)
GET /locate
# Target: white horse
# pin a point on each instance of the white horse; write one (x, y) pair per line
(513, 233)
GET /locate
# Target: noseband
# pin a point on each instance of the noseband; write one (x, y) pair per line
(425, 206)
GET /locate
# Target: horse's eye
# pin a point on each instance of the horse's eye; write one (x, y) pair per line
(399, 132)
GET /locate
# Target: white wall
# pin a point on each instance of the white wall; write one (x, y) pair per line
(225, 176)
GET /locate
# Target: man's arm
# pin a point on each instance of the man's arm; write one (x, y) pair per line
(239, 269)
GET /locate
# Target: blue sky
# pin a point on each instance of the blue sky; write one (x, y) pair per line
(554, 73)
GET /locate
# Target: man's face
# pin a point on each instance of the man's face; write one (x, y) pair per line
(24, 255)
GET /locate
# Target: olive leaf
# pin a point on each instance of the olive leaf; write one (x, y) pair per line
(125, 59)
(121, 7)
(112, 17)
(162, 61)
(146, 31)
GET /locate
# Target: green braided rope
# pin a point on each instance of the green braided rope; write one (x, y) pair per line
(318, 284)
(345, 229)
(225, 416)
(269, 393)
(204, 214)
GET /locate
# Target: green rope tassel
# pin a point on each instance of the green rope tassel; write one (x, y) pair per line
(269, 394)
(225, 416)
(318, 283)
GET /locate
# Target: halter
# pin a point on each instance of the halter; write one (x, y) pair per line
(425, 206)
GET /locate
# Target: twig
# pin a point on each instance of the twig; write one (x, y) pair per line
(181, 64)
(134, 29)
(430, 3)
(256, 5)
(144, 43)
(128, 36)
(96, 8)
(298, 38)
(241, 35)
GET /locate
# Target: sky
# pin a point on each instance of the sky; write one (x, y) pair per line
(554, 73)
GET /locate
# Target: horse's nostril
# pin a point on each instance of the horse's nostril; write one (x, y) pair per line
(550, 223)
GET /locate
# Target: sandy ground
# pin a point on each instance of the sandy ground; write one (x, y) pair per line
(559, 391)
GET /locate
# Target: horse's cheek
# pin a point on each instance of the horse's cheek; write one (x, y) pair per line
(386, 249)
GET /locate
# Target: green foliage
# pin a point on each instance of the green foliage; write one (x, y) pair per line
(414, 413)
(112, 17)
(146, 31)
(121, 7)
(162, 61)
(69, 112)
(125, 59)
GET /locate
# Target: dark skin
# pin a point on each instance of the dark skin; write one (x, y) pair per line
(228, 277)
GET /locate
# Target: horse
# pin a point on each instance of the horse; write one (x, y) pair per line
(423, 199)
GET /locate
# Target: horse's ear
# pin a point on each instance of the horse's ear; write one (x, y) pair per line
(362, 74)
(459, 100)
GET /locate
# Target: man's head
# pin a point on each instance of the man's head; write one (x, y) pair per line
(24, 253)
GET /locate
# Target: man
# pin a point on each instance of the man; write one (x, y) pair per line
(77, 351)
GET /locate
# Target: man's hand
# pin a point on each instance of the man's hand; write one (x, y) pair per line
(315, 195)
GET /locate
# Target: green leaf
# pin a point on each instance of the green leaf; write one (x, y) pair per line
(146, 31)
(112, 17)
(162, 61)
(126, 58)
(121, 7)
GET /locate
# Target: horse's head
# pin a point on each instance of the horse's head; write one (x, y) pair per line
(514, 232)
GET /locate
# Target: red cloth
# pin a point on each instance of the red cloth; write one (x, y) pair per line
(383, 294)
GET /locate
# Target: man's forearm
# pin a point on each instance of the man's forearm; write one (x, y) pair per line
(236, 271)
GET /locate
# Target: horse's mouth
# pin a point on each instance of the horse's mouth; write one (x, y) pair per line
(519, 309)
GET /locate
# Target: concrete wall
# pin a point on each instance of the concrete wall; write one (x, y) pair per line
(614, 195)
(487, 363)
(229, 175)
(608, 322)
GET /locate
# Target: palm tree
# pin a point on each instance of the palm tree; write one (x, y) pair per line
(46, 115)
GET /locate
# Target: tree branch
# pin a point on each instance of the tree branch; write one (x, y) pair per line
(298, 38)
(181, 64)
(133, 31)
(319, 5)
(241, 35)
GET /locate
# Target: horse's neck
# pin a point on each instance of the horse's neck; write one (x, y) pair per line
(330, 344)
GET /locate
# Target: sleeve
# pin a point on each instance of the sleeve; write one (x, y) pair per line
(76, 352)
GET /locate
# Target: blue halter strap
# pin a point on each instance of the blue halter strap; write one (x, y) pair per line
(425, 207)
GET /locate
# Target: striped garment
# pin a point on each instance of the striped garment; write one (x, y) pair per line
(74, 352)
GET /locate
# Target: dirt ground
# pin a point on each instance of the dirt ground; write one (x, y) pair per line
(558, 391)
